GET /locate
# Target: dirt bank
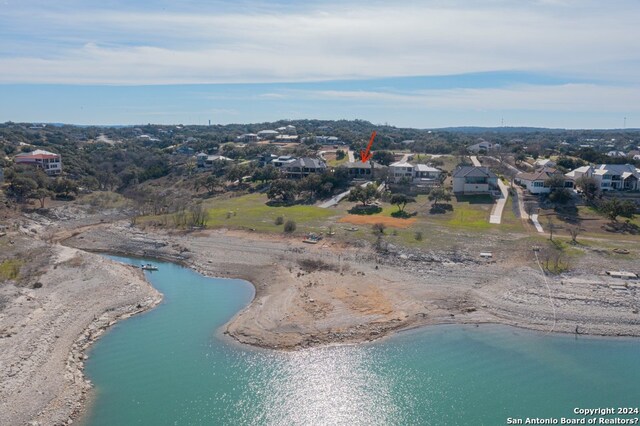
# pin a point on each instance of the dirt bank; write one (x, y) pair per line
(44, 331)
(328, 293)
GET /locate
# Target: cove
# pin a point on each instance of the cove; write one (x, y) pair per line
(170, 366)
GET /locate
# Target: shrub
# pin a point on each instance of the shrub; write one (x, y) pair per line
(418, 236)
(279, 220)
(290, 226)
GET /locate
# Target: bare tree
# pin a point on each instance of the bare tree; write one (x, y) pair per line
(574, 231)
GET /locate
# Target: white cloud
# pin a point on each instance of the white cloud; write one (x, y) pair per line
(559, 98)
(324, 42)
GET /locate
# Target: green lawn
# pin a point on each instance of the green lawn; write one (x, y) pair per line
(251, 211)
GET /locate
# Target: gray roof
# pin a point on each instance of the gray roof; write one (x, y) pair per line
(367, 165)
(310, 163)
(473, 171)
(426, 168)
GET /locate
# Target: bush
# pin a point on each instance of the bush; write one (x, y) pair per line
(378, 228)
(418, 236)
(279, 220)
(290, 226)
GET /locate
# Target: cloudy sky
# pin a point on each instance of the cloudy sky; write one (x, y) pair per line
(431, 63)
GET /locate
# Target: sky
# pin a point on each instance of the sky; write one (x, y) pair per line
(425, 64)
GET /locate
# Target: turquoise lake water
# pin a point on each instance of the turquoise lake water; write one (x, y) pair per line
(170, 366)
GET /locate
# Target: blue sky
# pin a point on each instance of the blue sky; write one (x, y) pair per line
(431, 63)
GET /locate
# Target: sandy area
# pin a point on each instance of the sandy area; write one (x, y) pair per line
(44, 331)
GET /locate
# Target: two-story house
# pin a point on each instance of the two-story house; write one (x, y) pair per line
(303, 166)
(474, 180)
(363, 171)
(414, 174)
(610, 177)
(50, 162)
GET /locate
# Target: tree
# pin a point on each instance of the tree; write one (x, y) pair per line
(340, 154)
(22, 187)
(211, 182)
(558, 194)
(439, 194)
(554, 182)
(589, 187)
(364, 194)
(401, 200)
(40, 194)
(65, 187)
(282, 189)
(574, 231)
(384, 157)
(614, 207)
(266, 173)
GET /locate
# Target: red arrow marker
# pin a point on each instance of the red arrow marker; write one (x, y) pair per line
(366, 155)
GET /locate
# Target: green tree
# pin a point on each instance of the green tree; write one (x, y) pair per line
(41, 195)
(439, 194)
(65, 187)
(401, 200)
(364, 194)
(22, 187)
(283, 189)
(613, 208)
(384, 157)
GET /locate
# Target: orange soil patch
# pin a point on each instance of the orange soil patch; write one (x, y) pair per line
(370, 220)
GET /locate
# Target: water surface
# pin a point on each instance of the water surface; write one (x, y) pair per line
(170, 366)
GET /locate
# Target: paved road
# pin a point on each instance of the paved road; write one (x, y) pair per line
(335, 200)
(351, 156)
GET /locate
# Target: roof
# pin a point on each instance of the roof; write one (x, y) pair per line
(268, 132)
(310, 163)
(401, 164)
(361, 165)
(542, 174)
(38, 154)
(616, 169)
(426, 168)
(473, 171)
(582, 170)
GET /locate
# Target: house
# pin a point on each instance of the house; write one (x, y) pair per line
(266, 159)
(267, 134)
(610, 177)
(366, 171)
(205, 160)
(616, 154)
(418, 174)
(617, 177)
(50, 162)
(400, 170)
(474, 180)
(185, 150)
(544, 162)
(535, 182)
(303, 166)
(482, 145)
(288, 130)
(283, 160)
(247, 137)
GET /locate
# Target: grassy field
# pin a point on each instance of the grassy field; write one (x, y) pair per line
(252, 212)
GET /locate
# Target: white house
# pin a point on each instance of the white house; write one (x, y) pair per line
(535, 182)
(610, 177)
(247, 137)
(474, 180)
(50, 162)
(482, 145)
(414, 174)
(205, 160)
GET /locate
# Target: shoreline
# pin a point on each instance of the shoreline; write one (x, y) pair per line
(472, 307)
(360, 298)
